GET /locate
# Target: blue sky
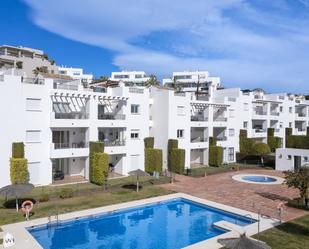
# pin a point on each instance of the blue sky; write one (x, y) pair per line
(248, 43)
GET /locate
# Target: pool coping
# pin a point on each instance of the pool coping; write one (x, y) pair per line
(23, 239)
(238, 178)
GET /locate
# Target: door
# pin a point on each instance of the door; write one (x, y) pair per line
(297, 162)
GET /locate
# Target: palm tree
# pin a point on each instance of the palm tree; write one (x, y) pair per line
(174, 82)
(39, 70)
(198, 86)
(152, 81)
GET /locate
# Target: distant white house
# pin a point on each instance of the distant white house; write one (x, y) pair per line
(291, 159)
(76, 73)
(137, 78)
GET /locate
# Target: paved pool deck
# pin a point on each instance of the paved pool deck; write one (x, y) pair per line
(224, 189)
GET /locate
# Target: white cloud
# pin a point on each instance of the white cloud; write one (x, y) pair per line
(246, 45)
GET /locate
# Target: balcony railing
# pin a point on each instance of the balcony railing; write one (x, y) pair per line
(114, 143)
(221, 138)
(180, 94)
(260, 112)
(198, 118)
(34, 81)
(71, 115)
(220, 119)
(259, 130)
(70, 145)
(274, 113)
(112, 116)
(199, 139)
(136, 90)
(301, 114)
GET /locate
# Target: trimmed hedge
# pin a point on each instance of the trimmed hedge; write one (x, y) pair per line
(18, 150)
(307, 131)
(94, 147)
(215, 156)
(297, 142)
(149, 142)
(270, 132)
(274, 143)
(245, 144)
(99, 168)
(288, 132)
(212, 141)
(172, 144)
(177, 161)
(19, 170)
(261, 149)
(153, 160)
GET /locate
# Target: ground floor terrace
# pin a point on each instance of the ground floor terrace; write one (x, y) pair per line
(224, 189)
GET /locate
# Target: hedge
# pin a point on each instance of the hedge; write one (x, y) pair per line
(94, 147)
(274, 143)
(18, 150)
(149, 142)
(245, 144)
(212, 141)
(19, 170)
(177, 161)
(153, 160)
(215, 156)
(172, 144)
(270, 132)
(288, 132)
(297, 142)
(261, 149)
(307, 131)
(99, 168)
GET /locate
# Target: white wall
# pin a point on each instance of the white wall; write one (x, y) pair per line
(285, 158)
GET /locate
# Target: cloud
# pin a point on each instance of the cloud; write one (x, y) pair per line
(248, 43)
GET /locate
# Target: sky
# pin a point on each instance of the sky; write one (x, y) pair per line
(248, 43)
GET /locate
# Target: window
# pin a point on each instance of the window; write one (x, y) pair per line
(280, 125)
(180, 110)
(231, 112)
(180, 133)
(134, 134)
(138, 76)
(135, 109)
(281, 108)
(290, 124)
(289, 157)
(231, 132)
(245, 124)
(290, 109)
(246, 106)
(33, 104)
(305, 159)
(231, 154)
(33, 136)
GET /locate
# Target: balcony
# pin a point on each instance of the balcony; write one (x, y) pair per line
(300, 115)
(111, 117)
(220, 119)
(260, 130)
(198, 118)
(136, 90)
(77, 145)
(260, 113)
(69, 150)
(199, 139)
(59, 120)
(34, 81)
(274, 113)
(221, 138)
(114, 143)
(72, 115)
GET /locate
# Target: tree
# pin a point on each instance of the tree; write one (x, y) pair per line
(152, 81)
(174, 82)
(39, 70)
(197, 86)
(299, 179)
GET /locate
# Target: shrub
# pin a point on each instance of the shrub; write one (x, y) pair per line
(66, 193)
(288, 132)
(177, 161)
(297, 142)
(261, 149)
(172, 144)
(99, 168)
(274, 143)
(94, 147)
(18, 150)
(153, 160)
(270, 132)
(215, 156)
(19, 170)
(149, 142)
(212, 141)
(43, 197)
(307, 131)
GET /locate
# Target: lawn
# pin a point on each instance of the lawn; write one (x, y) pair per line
(86, 196)
(290, 235)
(199, 172)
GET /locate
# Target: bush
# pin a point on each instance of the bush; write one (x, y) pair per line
(99, 168)
(297, 142)
(94, 147)
(274, 143)
(66, 193)
(172, 144)
(43, 197)
(18, 150)
(19, 170)
(261, 149)
(212, 141)
(307, 131)
(153, 160)
(177, 161)
(270, 132)
(215, 156)
(288, 132)
(149, 142)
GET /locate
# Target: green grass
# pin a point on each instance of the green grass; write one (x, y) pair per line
(290, 235)
(86, 196)
(199, 172)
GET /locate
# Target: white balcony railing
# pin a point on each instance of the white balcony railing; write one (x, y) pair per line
(260, 130)
(77, 145)
(199, 139)
(34, 81)
(111, 116)
(224, 119)
(260, 112)
(114, 143)
(273, 113)
(71, 115)
(221, 138)
(136, 90)
(199, 118)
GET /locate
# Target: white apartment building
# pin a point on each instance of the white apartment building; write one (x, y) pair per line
(76, 74)
(137, 78)
(56, 119)
(188, 81)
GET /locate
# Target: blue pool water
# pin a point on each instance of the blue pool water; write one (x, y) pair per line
(167, 225)
(259, 178)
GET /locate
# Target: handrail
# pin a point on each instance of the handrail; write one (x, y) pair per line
(112, 116)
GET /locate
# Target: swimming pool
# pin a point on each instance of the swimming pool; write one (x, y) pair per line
(169, 224)
(259, 178)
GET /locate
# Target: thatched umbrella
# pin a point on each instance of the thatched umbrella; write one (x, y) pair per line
(16, 190)
(243, 242)
(138, 173)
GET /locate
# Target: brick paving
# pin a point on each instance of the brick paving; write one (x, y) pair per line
(223, 189)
